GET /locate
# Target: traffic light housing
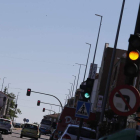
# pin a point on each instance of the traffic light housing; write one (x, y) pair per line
(38, 103)
(87, 89)
(28, 92)
(131, 68)
(43, 109)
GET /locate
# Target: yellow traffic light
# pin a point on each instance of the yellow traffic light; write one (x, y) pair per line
(133, 55)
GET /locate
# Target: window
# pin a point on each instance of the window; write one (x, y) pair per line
(30, 126)
(47, 122)
(2, 121)
(84, 132)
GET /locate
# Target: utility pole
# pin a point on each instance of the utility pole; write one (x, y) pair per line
(16, 105)
(110, 71)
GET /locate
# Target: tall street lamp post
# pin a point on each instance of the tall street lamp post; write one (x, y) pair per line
(97, 37)
(87, 61)
(71, 89)
(74, 83)
(8, 87)
(69, 93)
(79, 72)
(2, 84)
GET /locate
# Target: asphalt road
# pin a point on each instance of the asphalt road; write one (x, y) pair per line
(16, 136)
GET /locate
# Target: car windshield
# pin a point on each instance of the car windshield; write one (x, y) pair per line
(2, 121)
(47, 122)
(84, 132)
(30, 126)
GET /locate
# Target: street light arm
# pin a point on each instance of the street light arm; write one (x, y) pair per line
(50, 110)
(49, 95)
(50, 104)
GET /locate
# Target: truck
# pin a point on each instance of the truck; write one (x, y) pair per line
(68, 117)
(46, 124)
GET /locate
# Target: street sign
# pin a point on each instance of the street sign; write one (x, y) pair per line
(124, 100)
(83, 109)
(27, 120)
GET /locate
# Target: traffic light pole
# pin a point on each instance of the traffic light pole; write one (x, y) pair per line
(50, 95)
(50, 104)
(110, 71)
(50, 110)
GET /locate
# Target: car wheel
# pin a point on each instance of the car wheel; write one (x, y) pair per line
(20, 136)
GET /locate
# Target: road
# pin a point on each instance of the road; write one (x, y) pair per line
(16, 136)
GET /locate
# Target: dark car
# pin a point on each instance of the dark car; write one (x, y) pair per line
(44, 131)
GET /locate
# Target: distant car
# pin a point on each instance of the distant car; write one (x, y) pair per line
(71, 132)
(17, 125)
(6, 126)
(44, 131)
(30, 131)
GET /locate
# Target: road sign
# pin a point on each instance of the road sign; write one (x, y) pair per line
(83, 110)
(27, 120)
(124, 100)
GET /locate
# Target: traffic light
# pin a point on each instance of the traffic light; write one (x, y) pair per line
(38, 103)
(28, 92)
(43, 109)
(4, 99)
(15, 105)
(131, 68)
(87, 89)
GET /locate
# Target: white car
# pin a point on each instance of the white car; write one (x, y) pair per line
(6, 125)
(71, 132)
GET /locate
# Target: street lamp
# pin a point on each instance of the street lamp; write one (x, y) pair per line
(2, 84)
(74, 83)
(87, 61)
(8, 87)
(71, 89)
(97, 38)
(69, 93)
(79, 73)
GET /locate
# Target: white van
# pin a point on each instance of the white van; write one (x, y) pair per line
(6, 126)
(71, 132)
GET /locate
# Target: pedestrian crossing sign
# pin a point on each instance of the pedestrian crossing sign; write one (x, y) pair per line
(83, 110)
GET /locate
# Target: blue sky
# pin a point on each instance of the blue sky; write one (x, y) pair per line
(41, 40)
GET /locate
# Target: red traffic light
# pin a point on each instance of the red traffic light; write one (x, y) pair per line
(38, 103)
(43, 109)
(28, 92)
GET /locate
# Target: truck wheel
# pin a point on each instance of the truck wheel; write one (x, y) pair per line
(20, 136)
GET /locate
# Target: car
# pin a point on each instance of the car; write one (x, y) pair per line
(6, 126)
(17, 125)
(71, 132)
(44, 131)
(30, 131)
(125, 134)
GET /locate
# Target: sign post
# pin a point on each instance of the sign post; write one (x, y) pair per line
(124, 100)
(83, 110)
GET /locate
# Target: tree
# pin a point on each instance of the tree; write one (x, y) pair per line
(12, 109)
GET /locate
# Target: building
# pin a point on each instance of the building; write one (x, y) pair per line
(116, 78)
(4, 105)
